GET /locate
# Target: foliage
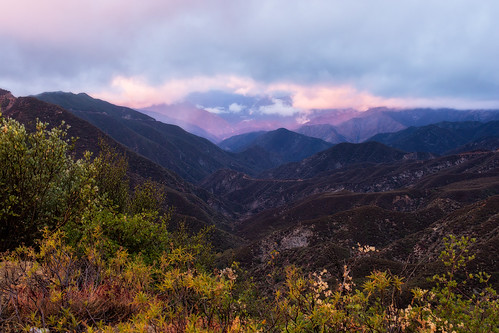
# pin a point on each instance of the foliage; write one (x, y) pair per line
(110, 176)
(42, 186)
(64, 288)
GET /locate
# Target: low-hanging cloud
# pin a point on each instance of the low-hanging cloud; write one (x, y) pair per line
(325, 53)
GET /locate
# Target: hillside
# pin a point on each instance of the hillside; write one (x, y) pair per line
(339, 156)
(257, 195)
(439, 138)
(403, 211)
(351, 216)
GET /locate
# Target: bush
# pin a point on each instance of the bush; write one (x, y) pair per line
(42, 186)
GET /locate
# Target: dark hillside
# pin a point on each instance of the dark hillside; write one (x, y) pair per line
(440, 138)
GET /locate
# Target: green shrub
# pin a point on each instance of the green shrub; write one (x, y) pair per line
(42, 186)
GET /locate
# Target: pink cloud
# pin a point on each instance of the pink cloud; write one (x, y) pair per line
(137, 92)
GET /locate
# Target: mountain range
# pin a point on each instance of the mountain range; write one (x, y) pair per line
(315, 209)
(191, 156)
(217, 116)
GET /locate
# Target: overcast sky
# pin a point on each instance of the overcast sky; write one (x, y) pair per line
(325, 54)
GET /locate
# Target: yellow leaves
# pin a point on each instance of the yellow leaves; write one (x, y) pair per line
(55, 295)
(382, 281)
(141, 298)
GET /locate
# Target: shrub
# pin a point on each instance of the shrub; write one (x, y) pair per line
(42, 186)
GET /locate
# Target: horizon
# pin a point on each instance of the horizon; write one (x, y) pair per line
(300, 57)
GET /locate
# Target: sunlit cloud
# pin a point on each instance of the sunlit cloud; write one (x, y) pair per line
(138, 93)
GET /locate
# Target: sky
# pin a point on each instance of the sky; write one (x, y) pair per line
(322, 54)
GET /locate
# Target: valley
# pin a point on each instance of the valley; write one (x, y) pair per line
(310, 199)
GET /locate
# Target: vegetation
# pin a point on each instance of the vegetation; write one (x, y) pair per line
(84, 252)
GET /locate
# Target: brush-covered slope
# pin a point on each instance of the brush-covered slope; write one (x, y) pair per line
(404, 210)
(406, 242)
(256, 195)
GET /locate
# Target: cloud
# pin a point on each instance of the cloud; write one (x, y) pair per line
(278, 107)
(285, 98)
(234, 107)
(138, 92)
(213, 110)
(326, 52)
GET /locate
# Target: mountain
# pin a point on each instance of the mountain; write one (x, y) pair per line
(326, 132)
(193, 129)
(340, 156)
(170, 146)
(465, 178)
(439, 138)
(83, 102)
(359, 126)
(426, 116)
(315, 212)
(288, 146)
(368, 124)
(407, 243)
(189, 116)
(218, 126)
(217, 115)
(238, 143)
(333, 117)
(194, 205)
